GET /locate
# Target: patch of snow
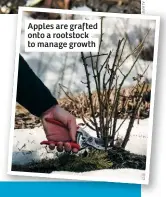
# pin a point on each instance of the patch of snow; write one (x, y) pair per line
(139, 135)
(27, 148)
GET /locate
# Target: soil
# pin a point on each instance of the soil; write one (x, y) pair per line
(124, 159)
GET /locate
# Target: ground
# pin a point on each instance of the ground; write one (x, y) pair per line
(118, 6)
(30, 156)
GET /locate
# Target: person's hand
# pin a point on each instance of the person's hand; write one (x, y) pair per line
(57, 133)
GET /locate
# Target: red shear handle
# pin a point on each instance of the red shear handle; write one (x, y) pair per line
(73, 144)
(50, 120)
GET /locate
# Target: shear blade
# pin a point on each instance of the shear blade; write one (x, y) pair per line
(84, 139)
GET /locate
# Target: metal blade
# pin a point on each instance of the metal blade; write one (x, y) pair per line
(84, 139)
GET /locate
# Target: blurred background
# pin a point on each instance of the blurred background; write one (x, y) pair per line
(117, 6)
(67, 68)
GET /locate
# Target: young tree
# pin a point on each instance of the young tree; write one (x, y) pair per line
(110, 100)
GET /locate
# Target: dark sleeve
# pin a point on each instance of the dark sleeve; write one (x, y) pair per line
(31, 92)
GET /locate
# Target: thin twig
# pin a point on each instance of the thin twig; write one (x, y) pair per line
(90, 92)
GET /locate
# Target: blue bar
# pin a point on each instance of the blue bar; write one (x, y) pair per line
(66, 189)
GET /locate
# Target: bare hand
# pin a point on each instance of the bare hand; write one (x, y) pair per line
(57, 133)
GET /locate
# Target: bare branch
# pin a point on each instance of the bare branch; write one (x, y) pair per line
(89, 92)
(61, 86)
(96, 55)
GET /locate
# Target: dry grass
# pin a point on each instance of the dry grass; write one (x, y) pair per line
(79, 105)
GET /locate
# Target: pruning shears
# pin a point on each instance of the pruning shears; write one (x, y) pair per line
(83, 138)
